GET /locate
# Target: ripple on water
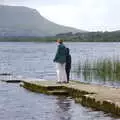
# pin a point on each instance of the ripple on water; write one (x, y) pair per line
(17, 103)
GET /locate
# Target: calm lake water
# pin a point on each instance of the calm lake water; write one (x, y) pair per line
(35, 60)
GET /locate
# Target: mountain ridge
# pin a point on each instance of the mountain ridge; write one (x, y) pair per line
(25, 21)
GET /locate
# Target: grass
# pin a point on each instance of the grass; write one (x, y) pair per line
(104, 69)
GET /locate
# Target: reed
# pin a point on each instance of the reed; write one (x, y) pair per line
(105, 69)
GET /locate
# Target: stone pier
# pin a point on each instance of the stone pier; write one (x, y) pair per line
(98, 97)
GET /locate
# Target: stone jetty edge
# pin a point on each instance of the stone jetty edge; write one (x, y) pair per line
(85, 97)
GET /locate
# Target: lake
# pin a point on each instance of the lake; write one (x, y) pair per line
(35, 60)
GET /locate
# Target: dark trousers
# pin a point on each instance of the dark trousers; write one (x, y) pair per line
(68, 74)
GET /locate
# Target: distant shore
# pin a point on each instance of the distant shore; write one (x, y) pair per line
(51, 39)
(68, 37)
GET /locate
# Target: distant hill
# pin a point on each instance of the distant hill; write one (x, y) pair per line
(23, 21)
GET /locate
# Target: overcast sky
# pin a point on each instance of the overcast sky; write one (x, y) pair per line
(91, 15)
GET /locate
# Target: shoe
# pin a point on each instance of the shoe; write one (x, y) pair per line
(58, 82)
(64, 82)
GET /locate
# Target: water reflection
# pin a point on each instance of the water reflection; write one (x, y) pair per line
(17, 103)
(63, 108)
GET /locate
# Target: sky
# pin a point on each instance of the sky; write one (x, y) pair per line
(90, 15)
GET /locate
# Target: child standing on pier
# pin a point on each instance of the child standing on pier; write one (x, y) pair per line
(68, 64)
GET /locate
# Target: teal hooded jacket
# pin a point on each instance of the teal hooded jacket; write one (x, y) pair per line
(60, 56)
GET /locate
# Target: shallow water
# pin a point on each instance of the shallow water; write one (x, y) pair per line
(17, 103)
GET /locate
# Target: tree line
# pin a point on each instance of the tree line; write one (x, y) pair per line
(71, 37)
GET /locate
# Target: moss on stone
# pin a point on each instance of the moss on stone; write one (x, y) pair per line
(86, 98)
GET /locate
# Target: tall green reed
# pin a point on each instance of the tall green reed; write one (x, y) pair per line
(106, 69)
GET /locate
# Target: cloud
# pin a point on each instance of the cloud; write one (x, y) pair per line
(85, 15)
(37, 2)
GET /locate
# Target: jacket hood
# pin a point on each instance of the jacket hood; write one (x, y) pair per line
(67, 51)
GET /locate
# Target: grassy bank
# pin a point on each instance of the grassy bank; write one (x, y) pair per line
(28, 39)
